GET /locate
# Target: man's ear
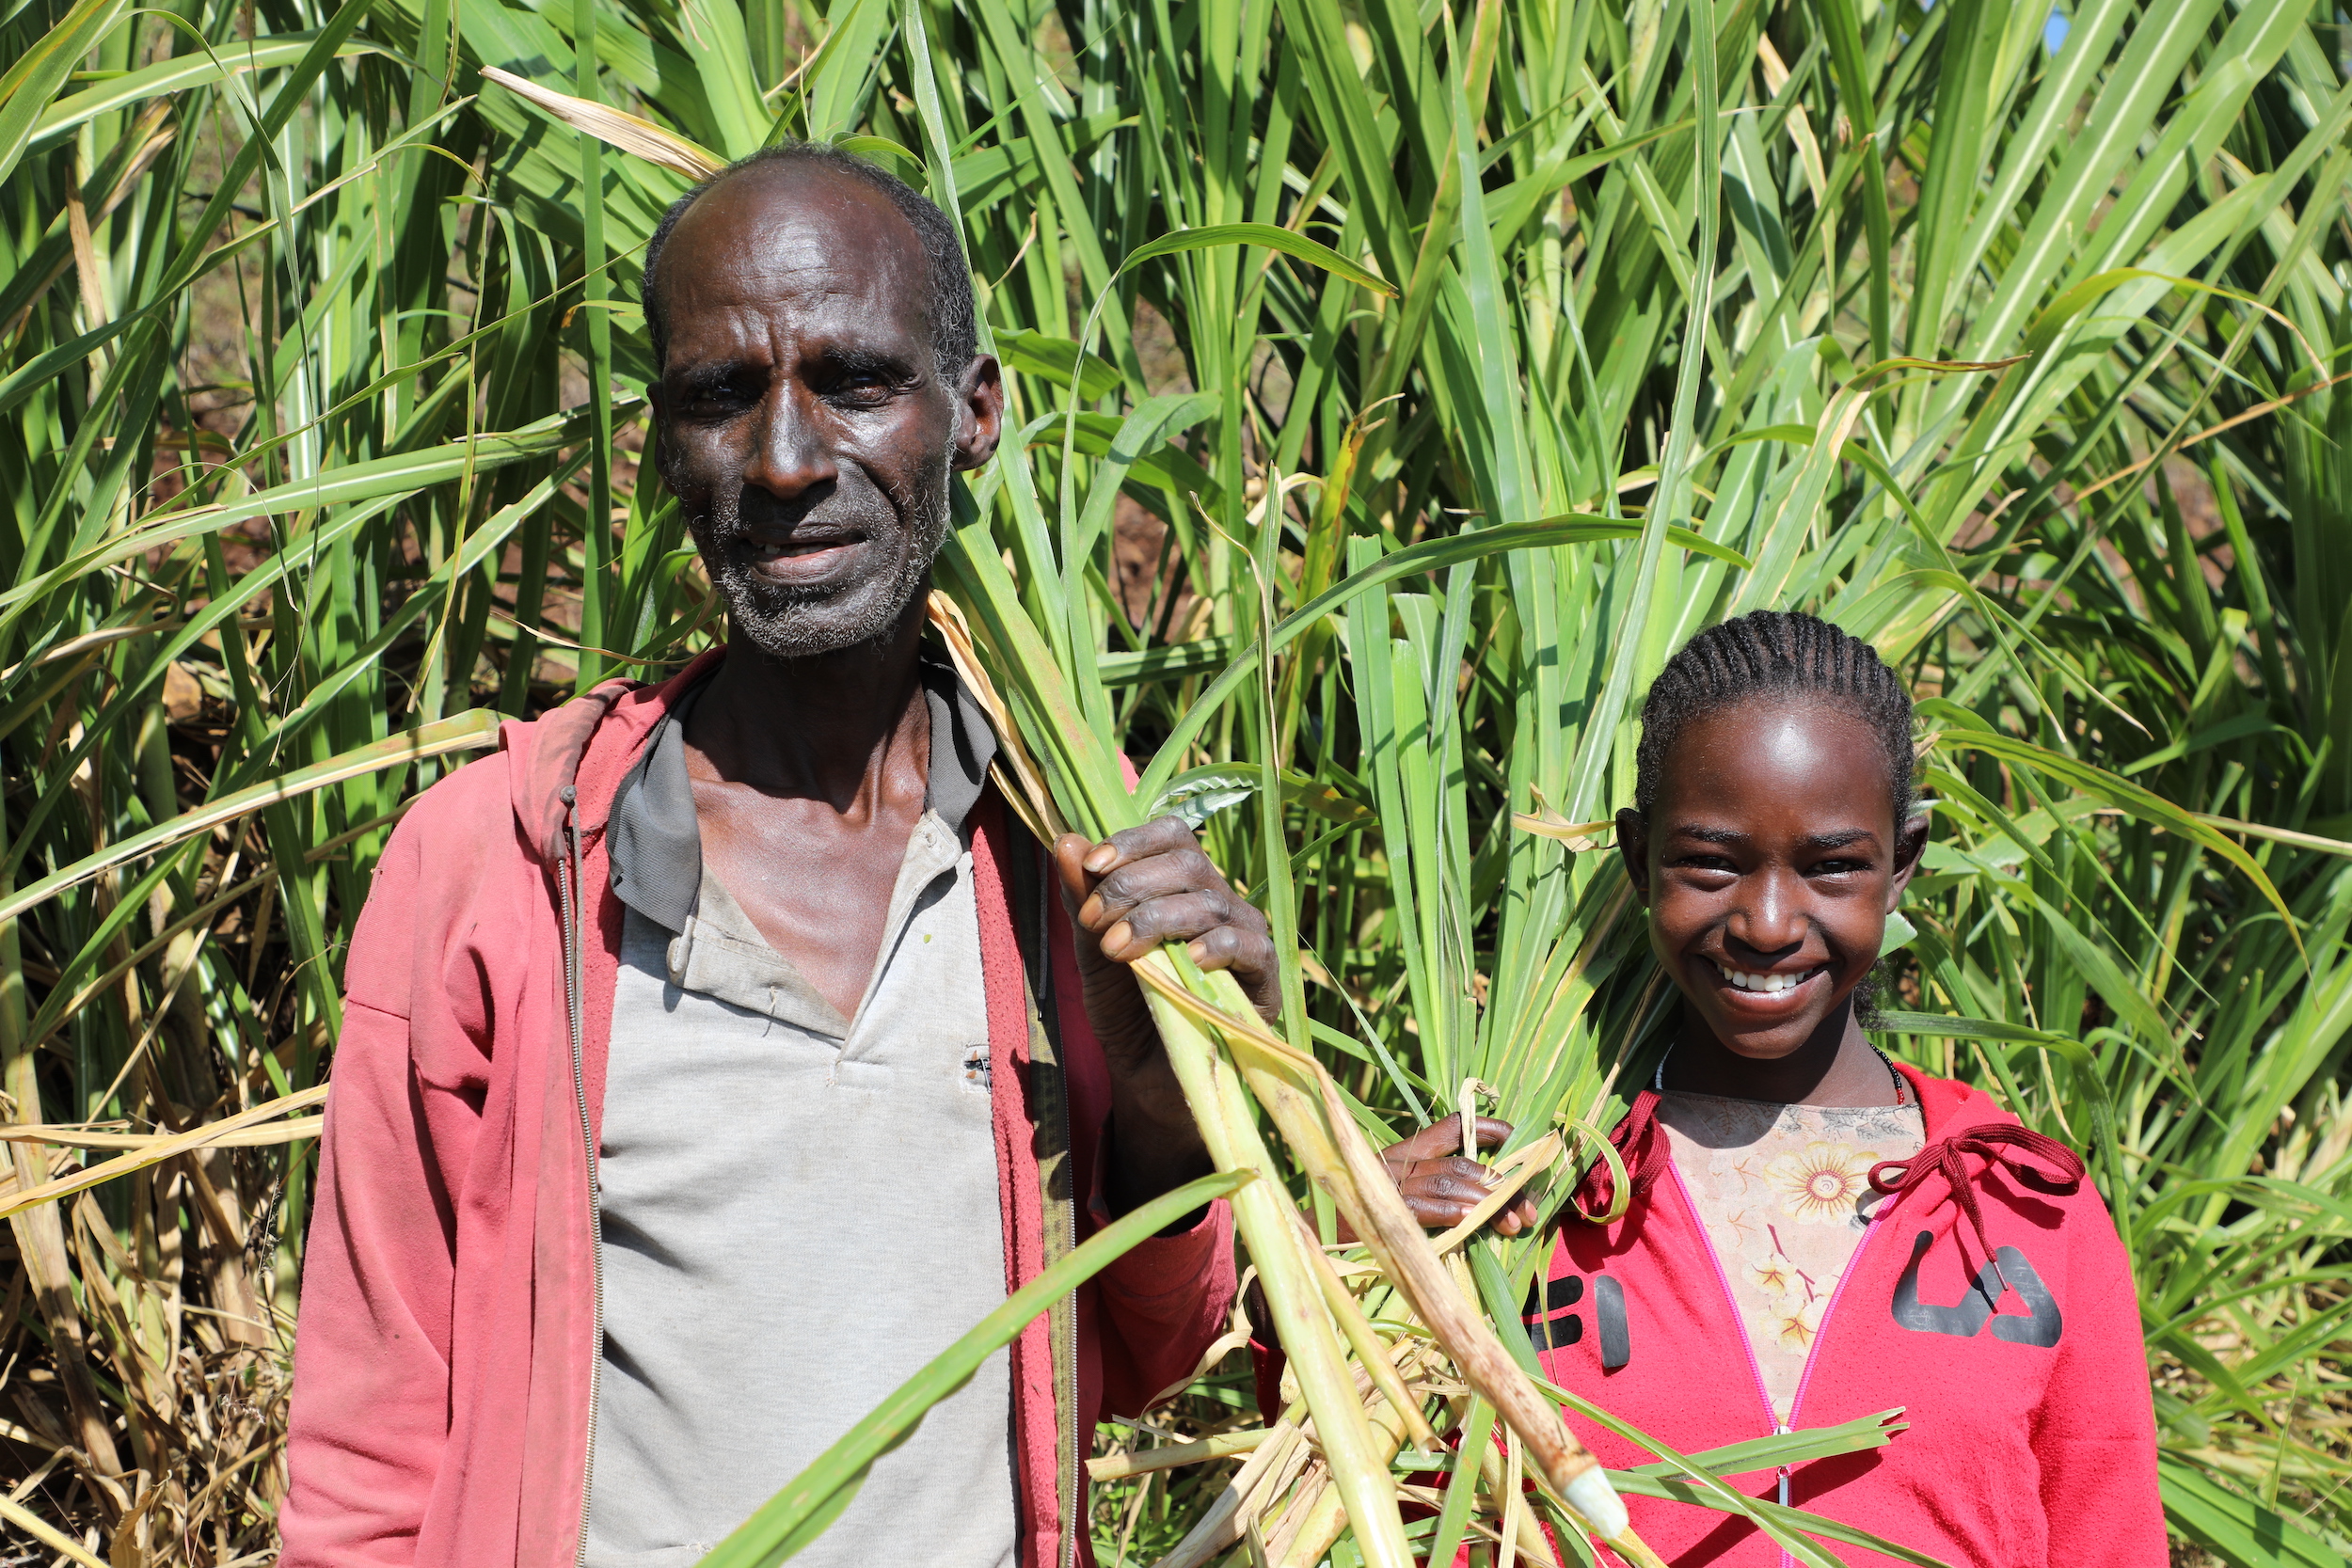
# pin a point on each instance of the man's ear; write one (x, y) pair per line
(1911, 842)
(1633, 846)
(979, 411)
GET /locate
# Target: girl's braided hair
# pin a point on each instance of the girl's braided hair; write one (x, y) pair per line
(1775, 653)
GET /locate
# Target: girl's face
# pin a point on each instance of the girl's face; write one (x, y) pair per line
(1768, 864)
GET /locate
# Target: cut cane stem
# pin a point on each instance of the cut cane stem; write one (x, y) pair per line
(1371, 1350)
(1294, 1294)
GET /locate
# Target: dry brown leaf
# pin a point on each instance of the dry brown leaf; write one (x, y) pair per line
(640, 138)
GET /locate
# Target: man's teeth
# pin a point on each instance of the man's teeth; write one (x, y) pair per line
(1769, 984)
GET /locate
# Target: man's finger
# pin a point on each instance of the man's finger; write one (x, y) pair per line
(1070, 853)
(1158, 836)
(1181, 917)
(1135, 883)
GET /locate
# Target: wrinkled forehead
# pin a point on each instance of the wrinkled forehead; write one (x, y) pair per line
(792, 248)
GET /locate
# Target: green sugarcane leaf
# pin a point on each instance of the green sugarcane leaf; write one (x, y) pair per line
(1294, 246)
(28, 85)
(468, 731)
(1197, 795)
(2244, 1533)
(179, 74)
(2130, 797)
(1042, 353)
(1428, 556)
(348, 484)
(795, 1515)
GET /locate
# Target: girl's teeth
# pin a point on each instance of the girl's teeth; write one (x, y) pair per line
(1770, 985)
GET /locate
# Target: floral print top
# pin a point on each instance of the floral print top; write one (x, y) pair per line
(1784, 1193)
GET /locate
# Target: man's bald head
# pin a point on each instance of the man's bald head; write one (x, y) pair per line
(955, 335)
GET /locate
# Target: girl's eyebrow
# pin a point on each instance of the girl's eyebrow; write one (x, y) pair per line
(1838, 839)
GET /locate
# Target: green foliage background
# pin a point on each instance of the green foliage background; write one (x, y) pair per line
(2010, 343)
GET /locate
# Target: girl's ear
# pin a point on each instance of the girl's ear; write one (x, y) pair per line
(1633, 845)
(1911, 842)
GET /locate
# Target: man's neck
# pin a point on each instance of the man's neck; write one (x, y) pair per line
(828, 727)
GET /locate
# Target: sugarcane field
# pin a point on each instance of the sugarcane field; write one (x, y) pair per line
(1176, 783)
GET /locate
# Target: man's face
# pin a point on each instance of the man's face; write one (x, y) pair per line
(804, 427)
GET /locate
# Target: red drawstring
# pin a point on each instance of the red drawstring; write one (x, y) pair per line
(1640, 1144)
(1993, 1142)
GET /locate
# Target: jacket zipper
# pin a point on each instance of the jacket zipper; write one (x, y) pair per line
(1066, 1420)
(1780, 1428)
(1804, 1379)
(567, 894)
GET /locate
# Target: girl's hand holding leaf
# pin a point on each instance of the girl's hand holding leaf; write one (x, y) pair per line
(1442, 1189)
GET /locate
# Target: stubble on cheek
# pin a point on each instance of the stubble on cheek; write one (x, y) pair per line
(788, 621)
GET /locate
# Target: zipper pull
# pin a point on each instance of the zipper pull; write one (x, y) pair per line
(1782, 1429)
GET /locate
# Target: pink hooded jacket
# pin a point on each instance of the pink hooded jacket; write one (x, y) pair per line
(450, 1310)
(2030, 1434)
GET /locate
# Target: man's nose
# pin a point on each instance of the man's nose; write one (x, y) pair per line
(788, 454)
(1767, 916)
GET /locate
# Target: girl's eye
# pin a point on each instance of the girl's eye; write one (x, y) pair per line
(1707, 862)
(1839, 868)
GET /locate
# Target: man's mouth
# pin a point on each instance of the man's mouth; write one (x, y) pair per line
(1767, 983)
(798, 555)
(796, 545)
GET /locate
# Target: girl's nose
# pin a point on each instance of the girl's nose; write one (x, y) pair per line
(1766, 918)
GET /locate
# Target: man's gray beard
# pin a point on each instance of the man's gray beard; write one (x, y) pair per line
(793, 623)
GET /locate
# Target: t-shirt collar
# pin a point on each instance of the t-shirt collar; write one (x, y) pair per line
(656, 843)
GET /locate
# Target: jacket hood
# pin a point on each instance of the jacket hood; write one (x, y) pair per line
(544, 753)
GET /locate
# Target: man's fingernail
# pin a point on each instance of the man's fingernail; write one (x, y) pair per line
(1102, 858)
(1198, 952)
(1117, 937)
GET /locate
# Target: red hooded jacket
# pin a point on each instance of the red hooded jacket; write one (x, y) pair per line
(2030, 1436)
(449, 1326)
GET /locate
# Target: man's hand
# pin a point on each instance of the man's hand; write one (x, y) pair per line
(1442, 1189)
(1141, 887)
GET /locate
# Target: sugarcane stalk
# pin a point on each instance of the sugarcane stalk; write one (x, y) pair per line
(1301, 1098)
(1265, 1219)
(1371, 1350)
(1225, 1519)
(1225, 1445)
(1305, 1105)
(1325, 1516)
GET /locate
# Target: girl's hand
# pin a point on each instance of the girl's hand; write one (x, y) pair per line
(1442, 1189)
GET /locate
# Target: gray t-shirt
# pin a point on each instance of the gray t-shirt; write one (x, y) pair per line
(799, 1210)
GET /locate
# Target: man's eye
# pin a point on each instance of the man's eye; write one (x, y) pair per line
(1839, 868)
(1708, 862)
(860, 387)
(707, 397)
